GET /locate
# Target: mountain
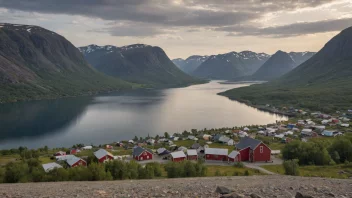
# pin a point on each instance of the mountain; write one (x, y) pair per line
(137, 63)
(36, 63)
(190, 64)
(301, 57)
(278, 64)
(230, 65)
(321, 83)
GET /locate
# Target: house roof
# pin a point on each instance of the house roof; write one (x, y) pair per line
(137, 151)
(248, 142)
(50, 166)
(101, 153)
(64, 157)
(233, 154)
(192, 152)
(216, 151)
(224, 139)
(73, 160)
(195, 146)
(178, 154)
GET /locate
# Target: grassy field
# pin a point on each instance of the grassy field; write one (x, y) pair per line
(337, 171)
(8, 158)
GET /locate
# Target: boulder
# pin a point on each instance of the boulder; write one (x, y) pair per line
(222, 190)
(300, 195)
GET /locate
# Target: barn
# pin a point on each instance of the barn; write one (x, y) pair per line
(141, 154)
(216, 154)
(75, 161)
(234, 156)
(60, 153)
(102, 155)
(192, 154)
(178, 156)
(253, 150)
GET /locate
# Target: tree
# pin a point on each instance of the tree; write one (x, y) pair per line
(98, 172)
(291, 167)
(16, 172)
(344, 148)
(166, 135)
(135, 138)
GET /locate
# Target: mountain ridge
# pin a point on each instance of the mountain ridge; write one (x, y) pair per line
(230, 65)
(321, 83)
(137, 63)
(36, 63)
(189, 64)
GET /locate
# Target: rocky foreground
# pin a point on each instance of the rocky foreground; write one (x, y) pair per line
(253, 186)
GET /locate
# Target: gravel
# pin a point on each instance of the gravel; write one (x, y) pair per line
(261, 186)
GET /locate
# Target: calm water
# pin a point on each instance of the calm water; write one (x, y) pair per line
(118, 116)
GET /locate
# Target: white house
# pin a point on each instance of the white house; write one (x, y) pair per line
(345, 125)
(246, 129)
(230, 142)
(50, 166)
(288, 133)
(307, 132)
(86, 147)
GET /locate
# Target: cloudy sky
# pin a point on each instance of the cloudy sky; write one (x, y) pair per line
(187, 27)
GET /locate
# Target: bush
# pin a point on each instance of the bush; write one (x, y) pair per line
(217, 173)
(291, 167)
(185, 169)
(246, 173)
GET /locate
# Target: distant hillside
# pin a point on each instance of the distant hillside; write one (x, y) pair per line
(36, 63)
(190, 64)
(278, 64)
(137, 63)
(322, 82)
(231, 65)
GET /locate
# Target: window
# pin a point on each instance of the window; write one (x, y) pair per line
(261, 149)
(147, 157)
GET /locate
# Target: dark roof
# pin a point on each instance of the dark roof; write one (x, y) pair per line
(195, 146)
(139, 150)
(248, 142)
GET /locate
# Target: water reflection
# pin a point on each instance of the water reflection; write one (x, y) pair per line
(116, 116)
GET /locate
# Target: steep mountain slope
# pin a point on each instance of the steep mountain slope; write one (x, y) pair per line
(190, 64)
(36, 63)
(137, 63)
(231, 65)
(301, 57)
(278, 64)
(323, 82)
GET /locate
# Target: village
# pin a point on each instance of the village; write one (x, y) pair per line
(253, 146)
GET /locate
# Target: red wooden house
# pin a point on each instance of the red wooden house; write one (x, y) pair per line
(253, 150)
(234, 156)
(216, 154)
(60, 153)
(75, 161)
(141, 154)
(192, 154)
(102, 155)
(178, 156)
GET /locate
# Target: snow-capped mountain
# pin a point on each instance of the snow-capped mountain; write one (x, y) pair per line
(231, 65)
(190, 64)
(301, 57)
(139, 63)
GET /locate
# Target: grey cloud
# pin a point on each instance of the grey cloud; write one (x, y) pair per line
(189, 13)
(126, 30)
(290, 30)
(148, 11)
